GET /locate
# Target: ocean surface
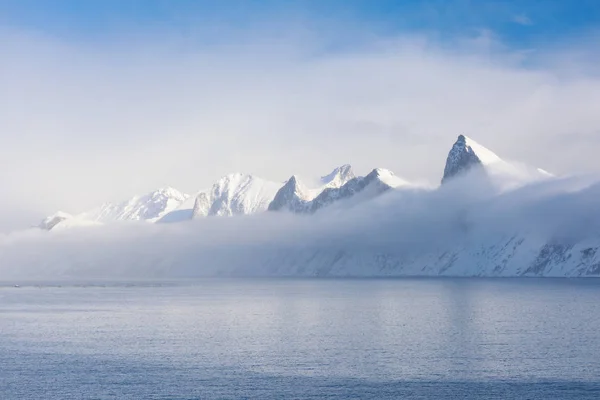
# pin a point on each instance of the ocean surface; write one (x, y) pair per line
(301, 339)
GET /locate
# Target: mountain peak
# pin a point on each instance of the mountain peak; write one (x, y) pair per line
(292, 182)
(338, 176)
(292, 196)
(387, 177)
(234, 194)
(169, 192)
(50, 222)
(466, 154)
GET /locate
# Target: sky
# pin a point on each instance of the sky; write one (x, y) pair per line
(103, 99)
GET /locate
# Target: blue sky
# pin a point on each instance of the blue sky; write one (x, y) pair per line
(519, 23)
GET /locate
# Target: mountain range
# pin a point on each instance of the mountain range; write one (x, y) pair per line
(243, 194)
(234, 194)
(488, 217)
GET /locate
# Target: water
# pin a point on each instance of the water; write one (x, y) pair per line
(302, 339)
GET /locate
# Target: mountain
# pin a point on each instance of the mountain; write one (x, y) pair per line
(468, 155)
(546, 226)
(296, 198)
(235, 194)
(338, 177)
(63, 220)
(181, 213)
(543, 229)
(376, 182)
(149, 207)
(54, 219)
(293, 196)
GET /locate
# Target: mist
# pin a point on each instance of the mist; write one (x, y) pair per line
(82, 125)
(402, 224)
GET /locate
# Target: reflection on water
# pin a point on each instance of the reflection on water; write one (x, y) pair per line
(304, 338)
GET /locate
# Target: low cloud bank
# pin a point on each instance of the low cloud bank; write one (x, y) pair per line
(402, 224)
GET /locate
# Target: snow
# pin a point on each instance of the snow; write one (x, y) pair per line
(75, 223)
(485, 155)
(548, 228)
(341, 184)
(467, 155)
(149, 207)
(51, 221)
(509, 220)
(235, 194)
(389, 178)
(338, 177)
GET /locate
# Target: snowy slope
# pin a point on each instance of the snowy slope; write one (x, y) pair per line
(293, 196)
(543, 227)
(547, 230)
(336, 178)
(182, 213)
(468, 155)
(149, 207)
(235, 194)
(359, 189)
(62, 220)
(54, 219)
(296, 198)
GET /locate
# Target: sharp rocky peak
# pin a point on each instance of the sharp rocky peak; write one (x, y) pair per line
(291, 196)
(466, 154)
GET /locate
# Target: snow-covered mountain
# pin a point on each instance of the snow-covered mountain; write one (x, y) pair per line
(296, 198)
(243, 194)
(235, 194)
(468, 155)
(550, 228)
(52, 220)
(337, 178)
(546, 226)
(359, 189)
(149, 207)
(62, 220)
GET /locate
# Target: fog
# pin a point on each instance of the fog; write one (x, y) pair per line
(403, 222)
(84, 124)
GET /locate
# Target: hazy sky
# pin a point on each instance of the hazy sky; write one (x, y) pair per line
(103, 99)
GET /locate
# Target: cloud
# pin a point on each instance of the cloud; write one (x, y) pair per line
(522, 19)
(86, 124)
(470, 211)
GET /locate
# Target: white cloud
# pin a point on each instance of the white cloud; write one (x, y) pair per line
(467, 212)
(82, 125)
